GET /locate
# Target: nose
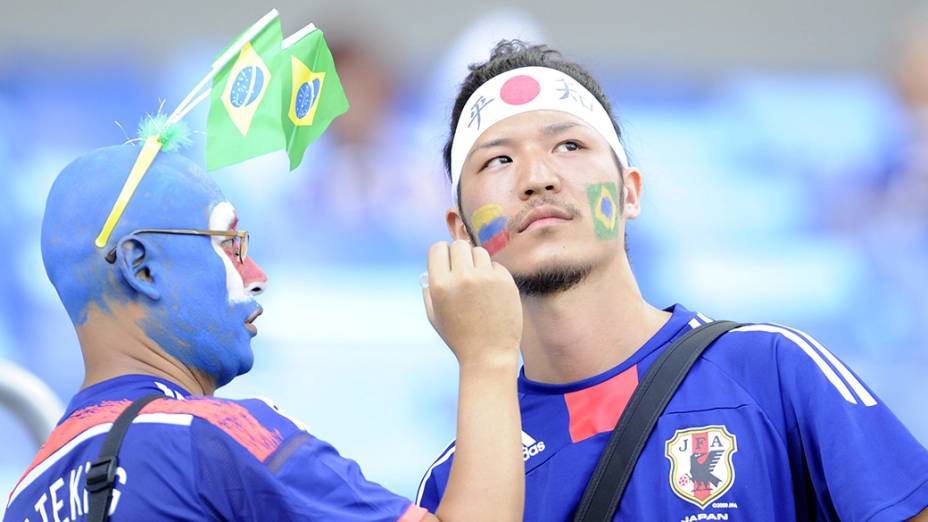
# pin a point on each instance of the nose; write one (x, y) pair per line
(253, 277)
(537, 176)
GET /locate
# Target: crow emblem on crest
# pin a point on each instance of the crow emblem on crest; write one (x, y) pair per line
(702, 465)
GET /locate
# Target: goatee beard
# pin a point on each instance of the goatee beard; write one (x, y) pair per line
(550, 281)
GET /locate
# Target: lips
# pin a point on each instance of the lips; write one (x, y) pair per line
(251, 319)
(546, 213)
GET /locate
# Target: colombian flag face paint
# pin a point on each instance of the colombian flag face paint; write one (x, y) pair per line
(492, 228)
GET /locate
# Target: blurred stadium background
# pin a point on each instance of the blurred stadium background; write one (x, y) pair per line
(784, 147)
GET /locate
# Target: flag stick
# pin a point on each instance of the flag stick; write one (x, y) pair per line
(192, 105)
(142, 162)
(290, 40)
(297, 36)
(221, 62)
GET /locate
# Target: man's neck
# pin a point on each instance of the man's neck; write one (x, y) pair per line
(114, 345)
(588, 329)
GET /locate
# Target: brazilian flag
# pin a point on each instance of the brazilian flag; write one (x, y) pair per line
(245, 105)
(312, 93)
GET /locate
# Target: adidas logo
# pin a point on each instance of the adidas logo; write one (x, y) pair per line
(531, 447)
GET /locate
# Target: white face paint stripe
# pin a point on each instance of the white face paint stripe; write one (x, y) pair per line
(805, 347)
(856, 385)
(221, 218)
(179, 419)
(445, 456)
(556, 91)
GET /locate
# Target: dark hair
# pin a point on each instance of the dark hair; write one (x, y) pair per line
(514, 54)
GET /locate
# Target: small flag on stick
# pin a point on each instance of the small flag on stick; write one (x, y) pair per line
(244, 112)
(312, 93)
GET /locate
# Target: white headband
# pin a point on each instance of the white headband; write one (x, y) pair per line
(523, 90)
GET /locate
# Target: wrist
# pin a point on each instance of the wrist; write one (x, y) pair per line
(490, 360)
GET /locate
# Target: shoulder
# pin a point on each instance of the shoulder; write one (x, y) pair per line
(760, 343)
(752, 340)
(764, 352)
(255, 425)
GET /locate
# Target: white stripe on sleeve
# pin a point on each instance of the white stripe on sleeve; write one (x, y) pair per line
(805, 347)
(444, 456)
(856, 385)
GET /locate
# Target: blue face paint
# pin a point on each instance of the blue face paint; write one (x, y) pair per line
(193, 318)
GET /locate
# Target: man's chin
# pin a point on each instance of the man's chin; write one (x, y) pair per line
(246, 366)
(551, 279)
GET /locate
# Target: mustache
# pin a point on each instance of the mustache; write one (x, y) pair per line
(535, 203)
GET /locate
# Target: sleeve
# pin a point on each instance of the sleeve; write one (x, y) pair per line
(860, 461)
(433, 483)
(303, 478)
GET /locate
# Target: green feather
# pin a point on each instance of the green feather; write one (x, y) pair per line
(173, 137)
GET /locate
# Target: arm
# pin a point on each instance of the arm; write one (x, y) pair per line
(474, 305)
(921, 517)
(487, 474)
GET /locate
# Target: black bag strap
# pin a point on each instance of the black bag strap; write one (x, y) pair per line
(607, 485)
(101, 477)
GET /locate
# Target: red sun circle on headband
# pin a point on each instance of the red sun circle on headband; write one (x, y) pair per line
(519, 90)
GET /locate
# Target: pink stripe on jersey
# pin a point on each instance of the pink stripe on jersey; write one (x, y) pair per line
(236, 421)
(414, 514)
(597, 409)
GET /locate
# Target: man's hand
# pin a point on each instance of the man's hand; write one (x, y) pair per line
(473, 304)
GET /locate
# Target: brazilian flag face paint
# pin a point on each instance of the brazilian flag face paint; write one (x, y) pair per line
(604, 206)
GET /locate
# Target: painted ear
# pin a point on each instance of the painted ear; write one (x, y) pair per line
(133, 262)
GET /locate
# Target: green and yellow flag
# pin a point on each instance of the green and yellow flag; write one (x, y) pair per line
(244, 112)
(312, 93)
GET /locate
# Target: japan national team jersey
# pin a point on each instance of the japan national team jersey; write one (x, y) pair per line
(197, 458)
(768, 425)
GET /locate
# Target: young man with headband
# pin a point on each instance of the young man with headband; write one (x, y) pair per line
(165, 311)
(768, 424)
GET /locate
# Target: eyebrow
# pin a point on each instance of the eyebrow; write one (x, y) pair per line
(557, 128)
(548, 130)
(488, 144)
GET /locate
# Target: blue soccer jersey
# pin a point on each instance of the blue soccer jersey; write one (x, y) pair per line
(768, 425)
(197, 458)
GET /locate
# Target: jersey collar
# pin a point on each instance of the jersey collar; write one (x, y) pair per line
(129, 387)
(677, 324)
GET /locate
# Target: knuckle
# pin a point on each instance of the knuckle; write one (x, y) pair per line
(468, 280)
(438, 288)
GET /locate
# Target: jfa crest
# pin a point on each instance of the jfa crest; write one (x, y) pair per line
(701, 468)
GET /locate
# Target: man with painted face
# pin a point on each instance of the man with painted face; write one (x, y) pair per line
(768, 424)
(167, 307)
